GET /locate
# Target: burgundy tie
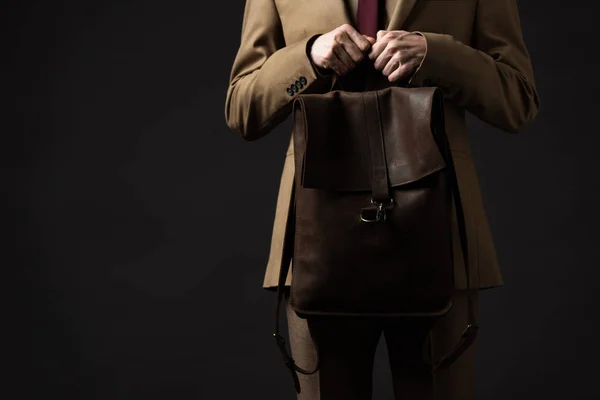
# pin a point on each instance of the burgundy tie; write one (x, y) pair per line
(367, 17)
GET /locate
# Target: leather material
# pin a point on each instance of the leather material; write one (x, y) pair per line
(377, 244)
(341, 264)
(336, 160)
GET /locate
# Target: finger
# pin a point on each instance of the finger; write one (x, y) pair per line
(352, 49)
(337, 66)
(382, 40)
(376, 50)
(344, 61)
(359, 39)
(383, 58)
(390, 66)
(398, 74)
(350, 54)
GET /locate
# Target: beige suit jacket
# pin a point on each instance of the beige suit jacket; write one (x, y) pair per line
(475, 54)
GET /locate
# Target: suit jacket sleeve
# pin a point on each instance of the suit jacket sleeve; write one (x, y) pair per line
(494, 79)
(264, 68)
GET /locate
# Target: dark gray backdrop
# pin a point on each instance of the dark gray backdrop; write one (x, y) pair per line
(138, 226)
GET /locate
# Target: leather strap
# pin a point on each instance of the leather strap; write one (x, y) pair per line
(379, 181)
(470, 333)
(288, 246)
(380, 193)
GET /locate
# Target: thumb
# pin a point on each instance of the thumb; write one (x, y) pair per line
(380, 33)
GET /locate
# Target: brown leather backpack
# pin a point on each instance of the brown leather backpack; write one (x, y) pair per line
(372, 210)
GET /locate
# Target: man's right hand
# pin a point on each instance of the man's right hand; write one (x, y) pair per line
(341, 49)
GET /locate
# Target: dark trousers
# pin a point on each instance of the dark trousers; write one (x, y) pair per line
(347, 348)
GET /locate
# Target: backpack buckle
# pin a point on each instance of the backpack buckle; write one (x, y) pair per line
(376, 212)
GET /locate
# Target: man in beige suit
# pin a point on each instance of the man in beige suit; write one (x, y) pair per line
(474, 52)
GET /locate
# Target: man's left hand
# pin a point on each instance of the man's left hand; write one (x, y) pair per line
(397, 54)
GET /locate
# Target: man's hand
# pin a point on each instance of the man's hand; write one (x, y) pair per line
(340, 49)
(397, 54)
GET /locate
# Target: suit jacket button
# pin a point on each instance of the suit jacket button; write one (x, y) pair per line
(303, 80)
(294, 87)
(290, 91)
(299, 84)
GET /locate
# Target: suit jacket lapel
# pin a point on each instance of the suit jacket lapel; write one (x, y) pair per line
(339, 12)
(401, 12)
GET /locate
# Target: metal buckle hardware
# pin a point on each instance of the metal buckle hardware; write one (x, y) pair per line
(376, 212)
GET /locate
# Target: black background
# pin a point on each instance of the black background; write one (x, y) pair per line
(138, 225)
